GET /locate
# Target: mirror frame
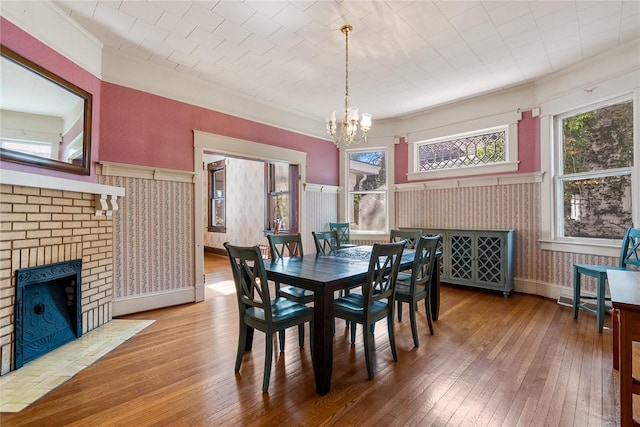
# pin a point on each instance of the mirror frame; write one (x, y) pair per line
(31, 160)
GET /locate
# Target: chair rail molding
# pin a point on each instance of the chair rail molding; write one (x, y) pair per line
(145, 172)
(521, 178)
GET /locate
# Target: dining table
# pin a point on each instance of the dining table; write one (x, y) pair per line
(325, 274)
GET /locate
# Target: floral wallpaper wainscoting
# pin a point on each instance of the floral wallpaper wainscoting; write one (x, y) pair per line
(153, 238)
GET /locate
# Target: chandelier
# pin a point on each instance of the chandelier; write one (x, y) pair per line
(348, 132)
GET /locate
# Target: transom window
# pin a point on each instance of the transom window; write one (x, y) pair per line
(471, 149)
(595, 163)
(480, 147)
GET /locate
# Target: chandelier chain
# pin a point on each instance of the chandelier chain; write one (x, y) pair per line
(353, 128)
(346, 62)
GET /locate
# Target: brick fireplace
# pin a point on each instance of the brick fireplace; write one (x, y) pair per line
(49, 225)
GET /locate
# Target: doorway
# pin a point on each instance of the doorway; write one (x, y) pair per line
(232, 148)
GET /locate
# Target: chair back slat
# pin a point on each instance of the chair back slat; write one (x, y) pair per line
(383, 271)
(630, 250)
(411, 236)
(285, 245)
(250, 278)
(326, 241)
(424, 260)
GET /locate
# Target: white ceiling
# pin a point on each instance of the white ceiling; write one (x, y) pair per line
(404, 56)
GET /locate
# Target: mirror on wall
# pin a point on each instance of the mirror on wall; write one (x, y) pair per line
(45, 121)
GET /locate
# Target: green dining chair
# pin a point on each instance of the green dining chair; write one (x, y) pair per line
(629, 256)
(376, 300)
(256, 309)
(326, 241)
(343, 230)
(411, 236)
(416, 286)
(289, 245)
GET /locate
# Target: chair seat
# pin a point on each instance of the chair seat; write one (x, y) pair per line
(590, 269)
(296, 294)
(353, 304)
(282, 311)
(404, 276)
(403, 291)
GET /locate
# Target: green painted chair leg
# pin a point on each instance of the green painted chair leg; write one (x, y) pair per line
(576, 291)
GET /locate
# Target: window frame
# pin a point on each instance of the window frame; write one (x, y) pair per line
(269, 190)
(387, 192)
(560, 177)
(551, 199)
(508, 121)
(212, 169)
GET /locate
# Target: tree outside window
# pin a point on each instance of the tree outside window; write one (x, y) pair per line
(594, 180)
(367, 191)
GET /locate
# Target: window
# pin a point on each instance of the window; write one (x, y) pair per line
(217, 196)
(282, 198)
(462, 147)
(481, 148)
(367, 191)
(594, 181)
(40, 149)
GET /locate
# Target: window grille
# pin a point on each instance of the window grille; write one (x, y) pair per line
(469, 150)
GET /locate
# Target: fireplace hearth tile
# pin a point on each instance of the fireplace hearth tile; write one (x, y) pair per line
(20, 388)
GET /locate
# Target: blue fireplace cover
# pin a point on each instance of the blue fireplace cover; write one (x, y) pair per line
(48, 308)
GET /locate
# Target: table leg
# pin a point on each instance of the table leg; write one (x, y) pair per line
(435, 290)
(615, 338)
(625, 351)
(323, 339)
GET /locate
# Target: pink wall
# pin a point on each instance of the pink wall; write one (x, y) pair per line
(528, 150)
(24, 44)
(149, 130)
(135, 127)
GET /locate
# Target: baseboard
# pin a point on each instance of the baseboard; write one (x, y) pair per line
(152, 302)
(215, 251)
(535, 287)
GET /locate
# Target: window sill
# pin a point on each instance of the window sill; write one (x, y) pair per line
(464, 171)
(610, 248)
(371, 235)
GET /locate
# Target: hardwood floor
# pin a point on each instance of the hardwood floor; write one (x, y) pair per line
(493, 361)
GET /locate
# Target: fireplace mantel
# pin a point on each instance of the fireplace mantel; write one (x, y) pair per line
(106, 196)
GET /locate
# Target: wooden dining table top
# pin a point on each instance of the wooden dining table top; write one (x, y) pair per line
(334, 270)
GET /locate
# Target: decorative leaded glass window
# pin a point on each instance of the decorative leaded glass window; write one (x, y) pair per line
(473, 149)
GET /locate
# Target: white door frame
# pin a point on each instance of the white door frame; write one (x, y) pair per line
(210, 142)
